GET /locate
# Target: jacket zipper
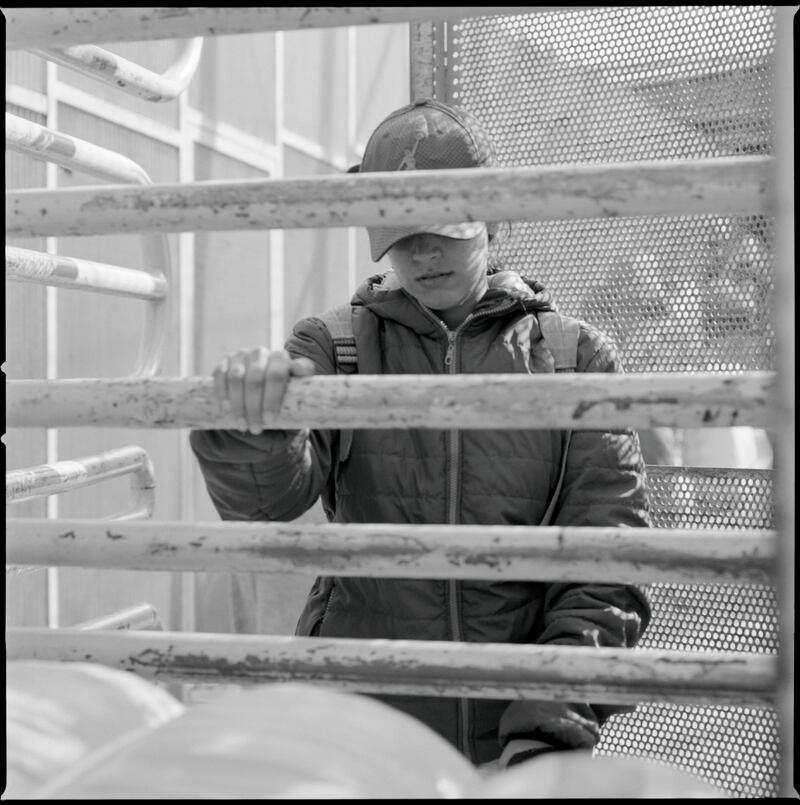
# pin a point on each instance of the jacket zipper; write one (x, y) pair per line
(328, 604)
(453, 478)
(454, 592)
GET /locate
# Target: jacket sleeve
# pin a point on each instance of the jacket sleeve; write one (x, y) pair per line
(604, 485)
(273, 475)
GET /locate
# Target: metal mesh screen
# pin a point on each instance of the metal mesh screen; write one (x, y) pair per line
(690, 293)
(629, 84)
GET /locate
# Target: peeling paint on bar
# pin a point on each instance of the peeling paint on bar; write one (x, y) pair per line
(722, 186)
(31, 27)
(633, 555)
(128, 76)
(488, 670)
(587, 401)
(25, 265)
(46, 144)
(63, 476)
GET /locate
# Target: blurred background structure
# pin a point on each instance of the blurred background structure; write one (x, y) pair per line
(686, 293)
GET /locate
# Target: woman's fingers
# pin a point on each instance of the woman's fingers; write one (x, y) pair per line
(250, 383)
(276, 380)
(257, 361)
(234, 389)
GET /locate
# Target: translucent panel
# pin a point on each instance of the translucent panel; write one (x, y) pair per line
(159, 160)
(231, 276)
(317, 260)
(25, 70)
(690, 293)
(381, 75)
(316, 86)
(235, 82)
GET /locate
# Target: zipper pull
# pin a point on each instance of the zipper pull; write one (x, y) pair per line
(451, 348)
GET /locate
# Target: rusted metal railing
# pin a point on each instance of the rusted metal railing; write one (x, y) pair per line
(586, 401)
(636, 555)
(443, 668)
(139, 616)
(722, 186)
(47, 145)
(48, 27)
(65, 476)
(126, 75)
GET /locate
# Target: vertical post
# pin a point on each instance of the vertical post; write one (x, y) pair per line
(276, 257)
(51, 341)
(784, 414)
(352, 135)
(184, 583)
(427, 60)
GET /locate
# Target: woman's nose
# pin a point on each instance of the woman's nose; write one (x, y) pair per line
(425, 248)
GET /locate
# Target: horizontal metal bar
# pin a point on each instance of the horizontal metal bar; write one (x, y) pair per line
(635, 555)
(139, 616)
(25, 265)
(489, 670)
(720, 186)
(40, 142)
(587, 401)
(47, 27)
(64, 476)
(125, 75)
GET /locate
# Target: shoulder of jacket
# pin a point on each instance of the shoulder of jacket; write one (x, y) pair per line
(597, 352)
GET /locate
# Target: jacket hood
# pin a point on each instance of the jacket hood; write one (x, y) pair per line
(385, 297)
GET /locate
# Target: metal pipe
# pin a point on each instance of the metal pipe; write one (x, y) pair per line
(70, 152)
(65, 476)
(719, 186)
(586, 401)
(139, 616)
(635, 555)
(126, 75)
(44, 27)
(39, 142)
(24, 265)
(486, 670)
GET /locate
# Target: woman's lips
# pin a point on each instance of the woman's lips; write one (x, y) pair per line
(433, 279)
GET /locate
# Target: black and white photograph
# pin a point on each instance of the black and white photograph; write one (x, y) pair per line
(400, 402)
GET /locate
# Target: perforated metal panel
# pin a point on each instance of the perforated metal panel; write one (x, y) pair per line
(690, 293)
(631, 84)
(734, 748)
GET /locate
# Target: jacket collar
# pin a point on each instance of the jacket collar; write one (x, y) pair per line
(384, 296)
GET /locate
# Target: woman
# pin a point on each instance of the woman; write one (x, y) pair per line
(441, 309)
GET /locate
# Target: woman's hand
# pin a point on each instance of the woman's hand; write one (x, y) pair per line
(250, 383)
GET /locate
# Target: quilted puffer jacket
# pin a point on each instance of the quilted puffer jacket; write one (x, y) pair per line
(417, 476)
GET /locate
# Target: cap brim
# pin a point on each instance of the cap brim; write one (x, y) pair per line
(381, 239)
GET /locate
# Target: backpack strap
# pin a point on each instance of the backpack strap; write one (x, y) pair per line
(561, 334)
(339, 321)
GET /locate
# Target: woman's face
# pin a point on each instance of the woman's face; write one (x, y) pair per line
(447, 275)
